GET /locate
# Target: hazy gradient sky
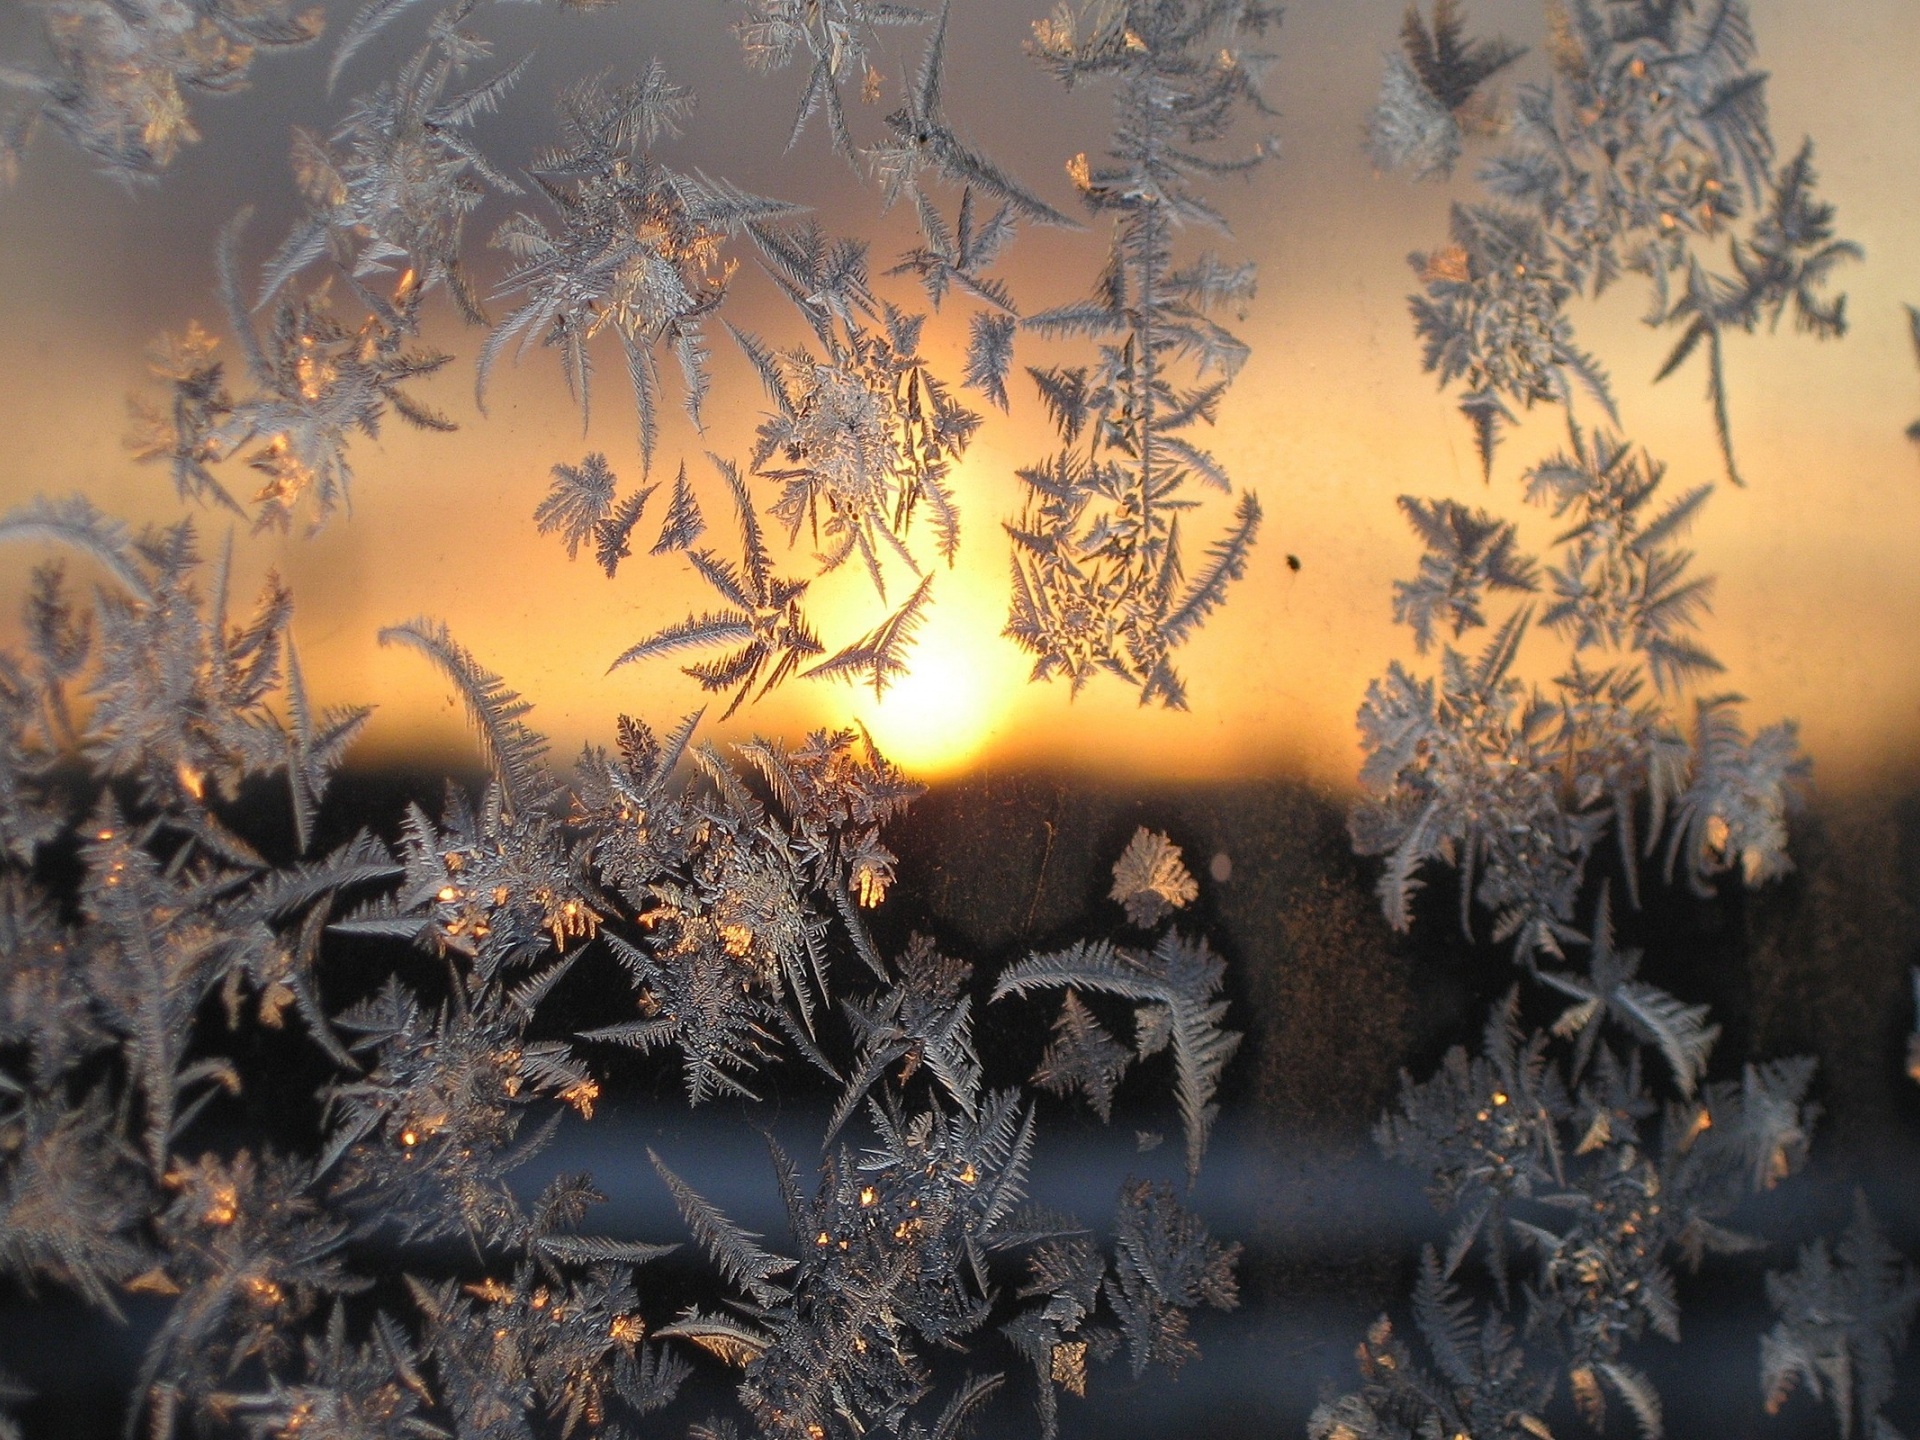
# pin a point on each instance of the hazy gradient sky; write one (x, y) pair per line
(1818, 609)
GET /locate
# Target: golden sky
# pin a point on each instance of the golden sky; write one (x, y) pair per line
(1818, 606)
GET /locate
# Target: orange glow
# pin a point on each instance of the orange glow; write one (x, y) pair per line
(961, 683)
(938, 717)
(1818, 560)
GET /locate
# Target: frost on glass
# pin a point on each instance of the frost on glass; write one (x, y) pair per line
(1591, 1149)
(727, 886)
(1648, 155)
(118, 80)
(1099, 577)
(181, 894)
(1522, 788)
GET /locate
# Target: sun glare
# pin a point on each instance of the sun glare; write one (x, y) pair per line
(960, 683)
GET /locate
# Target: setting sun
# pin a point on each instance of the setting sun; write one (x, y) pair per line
(962, 679)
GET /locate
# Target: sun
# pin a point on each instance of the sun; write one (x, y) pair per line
(954, 701)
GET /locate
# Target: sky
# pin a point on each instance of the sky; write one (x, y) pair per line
(1818, 598)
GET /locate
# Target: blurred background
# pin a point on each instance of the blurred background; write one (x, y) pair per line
(1817, 616)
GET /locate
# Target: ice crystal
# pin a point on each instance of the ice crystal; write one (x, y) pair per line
(1519, 788)
(879, 657)
(634, 247)
(1549, 1149)
(1484, 1385)
(862, 434)
(837, 791)
(370, 1391)
(1180, 974)
(1784, 263)
(1465, 771)
(1468, 553)
(1734, 813)
(957, 256)
(1623, 584)
(581, 506)
(319, 380)
(174, 694)
(169, 924)
(741, 1261)
(71, 1198)
(762, 615)
(390, 190)
(1165, 1264)
(1492, 316)
(580, 502)
(187, 434)
(894, 1249)
(1765, 1123)
(924, 1018)
(684, 523)
(921, 145)
(515, 753)
(44, 1007)
(1611, 991)
(838, 37)
(1098, 573)
(1409, 128)
(426, 1137)
(119, 77)
(1651, 142)
(1600, 1281)
(721, 892)
(737, 954)
(574, 1356)
(1451, 67)
(251, 1253)
(1844, 1313)
(877, 1273)
(921, 137)
(1432, 92)
(1082, 1056)
(1150, 879)
(1512, 1103)
(1565, 1159)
